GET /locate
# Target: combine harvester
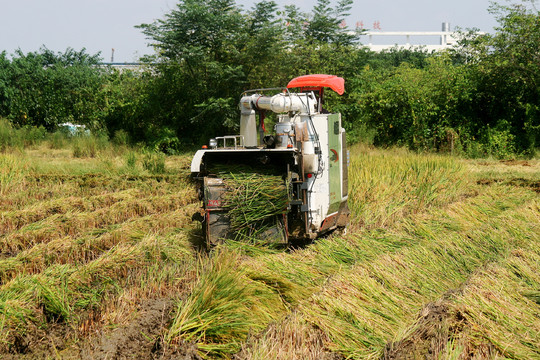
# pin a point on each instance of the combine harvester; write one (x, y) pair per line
(308, 149)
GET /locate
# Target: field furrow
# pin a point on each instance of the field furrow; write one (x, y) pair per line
(38, 188)
(493, 314)
(65, 292)
(14, 220)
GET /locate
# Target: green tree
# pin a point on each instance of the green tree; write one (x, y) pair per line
(263, 56)
(198, 48)
(197, 29)
(507, 75)
(5, 84)
(327, 24)
(425, 108)
(207, 53)
(45, 88)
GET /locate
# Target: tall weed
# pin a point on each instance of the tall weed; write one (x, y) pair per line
(32, 135)
(13, 171)
(154, 162)
(89, 145)
(57, 140)
(121, 138)
(9, 137)
(131, 159)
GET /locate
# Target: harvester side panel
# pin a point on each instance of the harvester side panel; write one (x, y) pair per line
(344, 166)
(319, 184)
(334, 163)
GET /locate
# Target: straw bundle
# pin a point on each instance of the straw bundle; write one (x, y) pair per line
(255, 201)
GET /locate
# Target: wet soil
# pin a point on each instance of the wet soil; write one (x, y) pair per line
(534, 185)
(437, 325)
(141, 338)
(429, 337)
(38, 343)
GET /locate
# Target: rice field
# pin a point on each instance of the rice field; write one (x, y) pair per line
(100, 259)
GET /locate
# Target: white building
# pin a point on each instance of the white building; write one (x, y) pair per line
(427, 40)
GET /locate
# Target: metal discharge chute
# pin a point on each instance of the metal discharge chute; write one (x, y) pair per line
(307, 149)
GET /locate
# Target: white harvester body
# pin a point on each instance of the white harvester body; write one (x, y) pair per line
(308, 147)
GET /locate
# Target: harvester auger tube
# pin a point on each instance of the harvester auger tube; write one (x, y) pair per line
(286, 186)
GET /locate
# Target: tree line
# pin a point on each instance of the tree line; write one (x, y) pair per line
(479, 99)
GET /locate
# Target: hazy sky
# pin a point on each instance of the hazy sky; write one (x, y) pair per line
(100, 25)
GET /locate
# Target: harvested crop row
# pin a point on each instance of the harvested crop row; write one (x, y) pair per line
(88, 246)
(291, 338)
(73, 224)
(223, 308)
(84, 261)
(13, 220)
(166, 269)
(294, 277)
(330, 263)
(39, 187)
(112, 182)
(493, 314)
(498, 310)
(328, 256)
(254, 200)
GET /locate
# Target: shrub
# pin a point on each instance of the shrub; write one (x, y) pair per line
(131, 160)
(500, 144)
(121, 138)
(32, 135)
(361, 134)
